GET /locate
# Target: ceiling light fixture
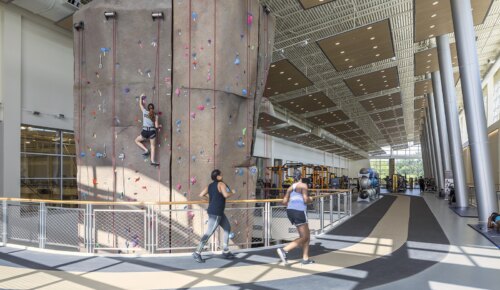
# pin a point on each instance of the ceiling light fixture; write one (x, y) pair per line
(282, 72)
(435, 3)
(372, 38)
(433, 15)
(369, 27)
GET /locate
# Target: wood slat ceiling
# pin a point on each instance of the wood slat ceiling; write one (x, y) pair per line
(382, 102)
(361, 46)
(339, 128)
(307, 4)
(66, 23)
(423, 87)
(433, 18)
(319, 144)
(426, 61)
(266, 121)
(286, 132)
(308, 103)
(306, 139)
(329, 118)
(419, 103)
(391, 114)
(374, 82)
(284, 77)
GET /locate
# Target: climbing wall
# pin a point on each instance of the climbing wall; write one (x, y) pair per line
(204, 66)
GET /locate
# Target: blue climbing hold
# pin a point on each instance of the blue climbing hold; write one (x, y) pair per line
(194, 15)
(244, 92)
(231, 235)
(178, 123)
(82, 154)
(237, 59)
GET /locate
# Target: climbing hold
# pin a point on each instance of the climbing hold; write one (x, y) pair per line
(209, 42)
(99, 155)
(244, 131)
(177, 92)
(148, 72)
(193, 158)
(249, 19)
(193, 180)
(190, 214)
(237, 59)
(201, 107)
(145, 188)
(185, 193)
(94, 181)
(82, 154)
(253, 170)
(244, 92)
(179, 186)
(193, 115)
(179, 32)
(121, 156)
(105, 50)
(194, 15)
(137, 179)
(240, 143)
(178, 123)
(126, 90)
(231, 235)
(140, 44)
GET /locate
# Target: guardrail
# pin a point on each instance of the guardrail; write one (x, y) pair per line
(158, 227)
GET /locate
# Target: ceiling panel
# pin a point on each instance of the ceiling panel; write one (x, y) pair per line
(321, 143)
(339, 128)
(426, 61)
(423, 87)
(328, 118)
(433, 18)
(391, 114)
(66, 23)
(308, 103)
(307, 4)
(419, 103)
(374, 82)
(286, 132)
(309, 138)
(361, 46)
(266, 121)
(284, 77)
(382, 102)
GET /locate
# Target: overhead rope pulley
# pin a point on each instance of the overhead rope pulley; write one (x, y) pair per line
(78, 26)
(109, 14)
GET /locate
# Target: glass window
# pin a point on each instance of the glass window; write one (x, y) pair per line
(48, 164)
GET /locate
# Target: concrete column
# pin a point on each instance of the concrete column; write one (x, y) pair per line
(441, 121)
(430, 142)
(474, 109)
(436, 140)
(391, 167)
(11, 97)
(452, 122)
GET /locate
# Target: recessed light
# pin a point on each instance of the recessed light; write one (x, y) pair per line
(346, 59)
(377, 55)
(289, 79)
(282, 72)
(369, 27)
(435, 3)
(292, 102)
(350, 66)
(310, 95)
(358, 80)
(268, 88)
(337, 43)
(430, 54)
(315, 99)
(273, 65)
(433, 15)
(372, 38)
(276, 93)
(382, 71)
(432, 26)
(429, 60)
(342, 52)
(375, 47)
(296, 84)
(431, 35)
(383, 77)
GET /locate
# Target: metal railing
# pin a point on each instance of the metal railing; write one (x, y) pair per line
(159, 227)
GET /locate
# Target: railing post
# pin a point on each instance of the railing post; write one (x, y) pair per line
(322, 214)
(4, 222)
(331, 209)
(350, 202)
(267, 223)
(89, 226)
(338, 206)
(150, 229)
(345, 203)
(42, 215)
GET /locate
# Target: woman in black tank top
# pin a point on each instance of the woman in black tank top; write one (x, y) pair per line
(217, 192)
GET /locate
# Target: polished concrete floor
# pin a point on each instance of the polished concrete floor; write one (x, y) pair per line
(398, 242)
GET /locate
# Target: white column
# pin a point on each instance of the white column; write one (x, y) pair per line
(10, 89)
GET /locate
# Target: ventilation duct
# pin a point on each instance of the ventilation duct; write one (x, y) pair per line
(54, 10)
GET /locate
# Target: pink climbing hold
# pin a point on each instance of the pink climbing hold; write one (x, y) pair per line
(193, 180)
(179, 186)
(200, 108)
(249, 19)
(190, 214)
(193, 115)
(177, 92)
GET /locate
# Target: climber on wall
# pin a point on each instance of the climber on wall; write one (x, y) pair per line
(149, 130)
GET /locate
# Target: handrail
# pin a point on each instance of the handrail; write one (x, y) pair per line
(146, 203)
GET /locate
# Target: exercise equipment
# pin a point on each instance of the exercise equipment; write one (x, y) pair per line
(369, 185)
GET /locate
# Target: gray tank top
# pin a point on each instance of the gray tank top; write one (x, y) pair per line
(146, 121)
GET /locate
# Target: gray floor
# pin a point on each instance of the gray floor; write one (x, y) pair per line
(473, 261)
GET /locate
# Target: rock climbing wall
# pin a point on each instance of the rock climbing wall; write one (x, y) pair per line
(204, 66)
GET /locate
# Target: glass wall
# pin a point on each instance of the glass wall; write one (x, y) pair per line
(411, 168)
(48, 164)
(381, 166)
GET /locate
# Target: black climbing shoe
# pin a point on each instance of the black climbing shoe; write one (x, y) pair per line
(197, 257)
(228, 255)
(307, 262)
(145, 153)
(155, 164)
